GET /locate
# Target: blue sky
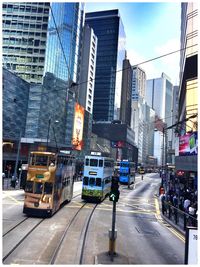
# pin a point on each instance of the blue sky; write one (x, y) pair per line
(152, 29)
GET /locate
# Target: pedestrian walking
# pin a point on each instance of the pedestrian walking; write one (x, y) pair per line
(163, 199)
(186, 204)
(191, 211)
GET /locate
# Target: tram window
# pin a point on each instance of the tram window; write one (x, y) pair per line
(124, 173)
(85, 180)
(107, 163)
(38, 188)
(92, 181)
(100, 163)
(124, 165)
(29, 187)
(87, 162)
(48, 188)
(94, 162)
(98, 181)
(40, 161)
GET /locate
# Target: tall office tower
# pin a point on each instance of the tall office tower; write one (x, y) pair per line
(41, 44)
(62, 60)
(24, 38)
(108, 28)
(64, 39)
(126, 93)
(138, 83)
(188, 95)
(142, 123)
(42, 37)
(87, 69)
(175, 109)
(159, 96)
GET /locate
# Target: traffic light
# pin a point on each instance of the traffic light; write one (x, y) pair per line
(114, 192)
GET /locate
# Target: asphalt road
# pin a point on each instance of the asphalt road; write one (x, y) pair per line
(142, 236)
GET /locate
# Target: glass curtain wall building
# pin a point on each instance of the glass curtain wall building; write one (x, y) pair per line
(61, 68)
(24, 31)
(42, 37)
(63, 40)
(41, 44)
(108, 28)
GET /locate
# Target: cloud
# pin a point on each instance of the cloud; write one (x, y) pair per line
(168, 64)
(150, 68)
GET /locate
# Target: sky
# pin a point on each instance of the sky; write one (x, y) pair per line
(152, 29)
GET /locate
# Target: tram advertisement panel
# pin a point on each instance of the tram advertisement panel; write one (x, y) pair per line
(77, 139)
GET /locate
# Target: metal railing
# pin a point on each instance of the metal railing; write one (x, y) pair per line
(180, 218)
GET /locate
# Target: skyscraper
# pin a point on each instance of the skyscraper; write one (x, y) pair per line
(188, 94)
(42, 37)
(138, 83)
(64, 39)
(125, 109)
(108, 28)
(87, 69)
(24, 38)
(159, 96)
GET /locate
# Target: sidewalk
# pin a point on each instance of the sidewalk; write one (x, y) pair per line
(179, 226)
(6, 185)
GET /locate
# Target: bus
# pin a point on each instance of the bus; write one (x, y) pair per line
(97, 176)
(127, 172)
(49, 183)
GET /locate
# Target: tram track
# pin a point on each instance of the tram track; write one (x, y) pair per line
(16, 236)
(22, 239)
(83, 232)
(12, 228)
(19, 224)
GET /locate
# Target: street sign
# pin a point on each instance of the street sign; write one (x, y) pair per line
(191, 245)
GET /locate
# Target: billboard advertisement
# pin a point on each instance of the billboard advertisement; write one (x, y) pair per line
(118, 144)
(77, 138)
(188, 144)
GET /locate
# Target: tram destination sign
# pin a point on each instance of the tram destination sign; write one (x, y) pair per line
(92, 173)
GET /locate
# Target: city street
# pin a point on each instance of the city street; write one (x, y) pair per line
(142, 235)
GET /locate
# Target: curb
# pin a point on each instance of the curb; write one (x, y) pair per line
(173, 224)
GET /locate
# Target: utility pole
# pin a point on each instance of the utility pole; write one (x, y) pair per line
(114, 196)
(17, 158)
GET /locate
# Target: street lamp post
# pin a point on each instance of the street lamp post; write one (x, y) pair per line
(163, 152)
(17, 158)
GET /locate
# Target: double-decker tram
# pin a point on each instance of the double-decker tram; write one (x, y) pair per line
(97, 176)
(127, 172)
(49, 182)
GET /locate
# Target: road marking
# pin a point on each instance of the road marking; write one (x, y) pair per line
(15, 200)
(157, 207)
(164, 223)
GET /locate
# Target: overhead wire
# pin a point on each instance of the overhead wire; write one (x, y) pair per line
(78, 84)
